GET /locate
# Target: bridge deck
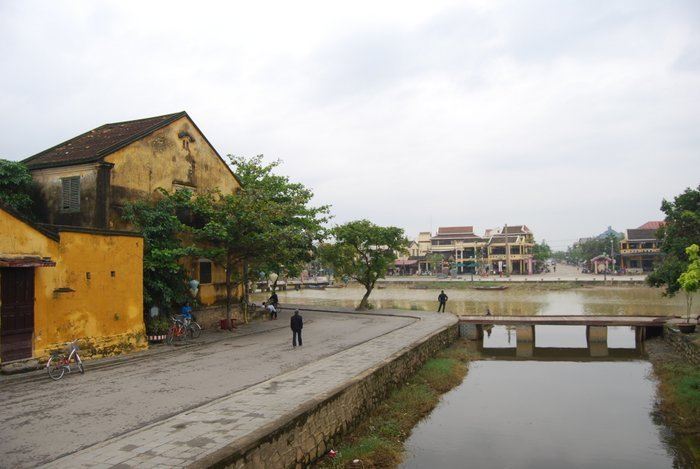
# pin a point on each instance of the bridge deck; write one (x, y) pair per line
(567, 320)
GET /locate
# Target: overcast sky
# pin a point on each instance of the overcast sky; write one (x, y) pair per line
(566, 116)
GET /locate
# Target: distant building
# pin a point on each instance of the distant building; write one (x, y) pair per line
(508, 250)
(609, 233)
(640, 249)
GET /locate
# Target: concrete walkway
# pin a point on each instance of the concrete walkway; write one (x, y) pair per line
(192, 437)
(175, 409)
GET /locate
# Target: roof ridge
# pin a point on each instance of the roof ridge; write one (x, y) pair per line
(172, 114)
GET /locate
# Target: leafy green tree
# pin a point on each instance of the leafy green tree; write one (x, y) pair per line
(587, 250)
(689, 280)
(364, 252)
(268, 225)
(681, 229)
(435, 261)
(17, 187)
(159, 220)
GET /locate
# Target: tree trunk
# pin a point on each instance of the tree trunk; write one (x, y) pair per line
(364, 304)
(246, 291)
(229, 290)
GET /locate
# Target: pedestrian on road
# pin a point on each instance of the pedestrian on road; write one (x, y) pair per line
(442, 301)
(297, 324)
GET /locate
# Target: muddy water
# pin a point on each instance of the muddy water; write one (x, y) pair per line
(561, 407)
(514, 301)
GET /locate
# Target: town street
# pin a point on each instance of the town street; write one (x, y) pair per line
(43, 420)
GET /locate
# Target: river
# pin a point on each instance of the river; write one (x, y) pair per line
(558, 409)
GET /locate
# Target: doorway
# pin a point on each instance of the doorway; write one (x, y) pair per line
(16, 313)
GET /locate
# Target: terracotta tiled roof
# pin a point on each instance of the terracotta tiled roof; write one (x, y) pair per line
(97, 143)
(639, 234)
(451, 230)
(515, 229)
(651, 225)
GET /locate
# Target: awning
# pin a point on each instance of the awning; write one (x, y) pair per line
(26, 261)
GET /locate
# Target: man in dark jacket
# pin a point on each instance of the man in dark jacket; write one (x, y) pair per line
(297, 324)
(442, 300)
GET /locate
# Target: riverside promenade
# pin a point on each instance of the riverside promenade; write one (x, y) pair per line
(98, 421)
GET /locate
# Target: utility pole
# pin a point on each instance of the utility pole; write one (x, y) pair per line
(507, 252)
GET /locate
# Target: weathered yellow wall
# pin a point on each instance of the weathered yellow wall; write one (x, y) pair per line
(105, 311)
(48, 181)
(165, 160)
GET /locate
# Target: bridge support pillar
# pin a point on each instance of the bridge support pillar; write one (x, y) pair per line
(597, 338)
(525, 337)
(471, 331)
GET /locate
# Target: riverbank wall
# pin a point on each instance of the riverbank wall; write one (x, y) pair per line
(308, 434)
(687, 345)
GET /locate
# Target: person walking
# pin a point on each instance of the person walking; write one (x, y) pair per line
(442, 301)
(297, 324)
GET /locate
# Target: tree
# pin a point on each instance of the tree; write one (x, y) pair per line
(364, 251)
(587, 250)
(435, 261)
(17, 187)
(681, 229)
(159, 220)
(689, 280)
(268, 225)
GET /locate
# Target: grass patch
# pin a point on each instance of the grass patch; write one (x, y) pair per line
(678, 403)
(679, 387)
(378, 439)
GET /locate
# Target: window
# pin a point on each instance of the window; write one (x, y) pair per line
(70, 194)
(204, 272)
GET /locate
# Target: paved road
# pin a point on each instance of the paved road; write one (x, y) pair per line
(43, 420)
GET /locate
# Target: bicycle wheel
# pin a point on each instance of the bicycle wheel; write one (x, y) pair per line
(170, 335)
(194, 330)
(56, 366)
(81, 368)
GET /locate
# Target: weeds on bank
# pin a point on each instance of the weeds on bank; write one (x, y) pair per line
(679, 385)
(679, 403)
(377, 441)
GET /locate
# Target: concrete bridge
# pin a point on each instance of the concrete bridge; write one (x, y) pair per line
(472, 327)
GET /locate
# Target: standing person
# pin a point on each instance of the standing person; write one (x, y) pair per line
(442, 301)
(273, 299)
(297, 324)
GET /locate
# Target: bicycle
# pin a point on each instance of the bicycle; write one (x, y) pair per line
(176, 331)
(59, 363)
(193, 328)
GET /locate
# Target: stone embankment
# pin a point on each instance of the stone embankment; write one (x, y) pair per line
(687, 345)
(286, 421)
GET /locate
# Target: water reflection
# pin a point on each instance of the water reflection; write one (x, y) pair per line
(543, 415)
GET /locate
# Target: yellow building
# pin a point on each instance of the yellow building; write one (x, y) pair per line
(508, 250)
(87, 180)
(59, 283)
(640, 249)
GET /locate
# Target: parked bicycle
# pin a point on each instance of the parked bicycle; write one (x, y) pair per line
(59, 363)
(193, 328)
(177, 330)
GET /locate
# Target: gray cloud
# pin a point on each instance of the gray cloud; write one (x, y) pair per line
(566, 116)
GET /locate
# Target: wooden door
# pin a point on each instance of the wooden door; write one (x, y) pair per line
(16, 313)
